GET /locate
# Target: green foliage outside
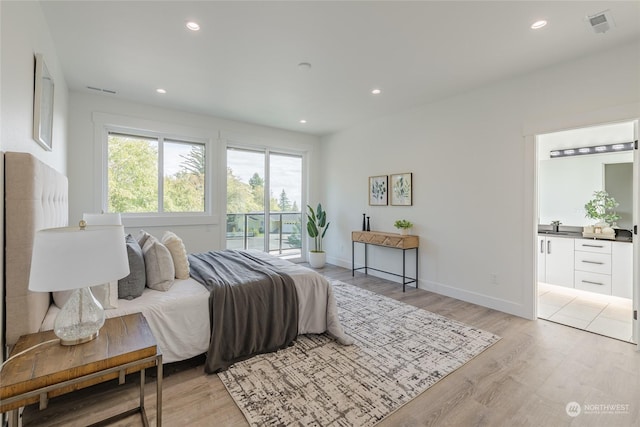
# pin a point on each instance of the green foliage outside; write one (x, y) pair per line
(245, 197)
(294, 240)
(133, 174)
(133, 178)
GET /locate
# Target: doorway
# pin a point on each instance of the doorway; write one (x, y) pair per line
(264, 196)
(586, 283)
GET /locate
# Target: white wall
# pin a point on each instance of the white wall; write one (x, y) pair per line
(197, 238)
(24, 32)
(473, 175)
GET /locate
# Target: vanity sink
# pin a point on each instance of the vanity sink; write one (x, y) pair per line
(560, 233)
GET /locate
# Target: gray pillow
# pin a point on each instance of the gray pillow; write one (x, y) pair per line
(133, 285)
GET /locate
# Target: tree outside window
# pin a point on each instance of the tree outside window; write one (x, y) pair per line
(134, 169)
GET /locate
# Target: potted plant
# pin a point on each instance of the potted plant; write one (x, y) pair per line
(317, 227)
(403, 225)
(602, 209)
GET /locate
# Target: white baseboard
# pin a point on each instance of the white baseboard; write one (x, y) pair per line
(494, 303)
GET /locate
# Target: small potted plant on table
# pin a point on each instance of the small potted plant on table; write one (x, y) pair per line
(601, 208)
(403, 225)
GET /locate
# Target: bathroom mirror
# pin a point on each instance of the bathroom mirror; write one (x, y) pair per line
(618, 182)
(43, 104)
(565, 184)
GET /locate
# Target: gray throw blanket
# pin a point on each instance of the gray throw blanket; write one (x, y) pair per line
(253, 308)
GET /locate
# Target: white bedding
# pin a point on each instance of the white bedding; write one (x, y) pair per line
(179, 317)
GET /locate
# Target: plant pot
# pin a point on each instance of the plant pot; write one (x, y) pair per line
(404, 231)
(317, 259)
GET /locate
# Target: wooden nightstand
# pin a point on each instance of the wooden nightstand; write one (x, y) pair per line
(125, 345)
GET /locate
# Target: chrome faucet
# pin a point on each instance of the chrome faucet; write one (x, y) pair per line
(556, 226)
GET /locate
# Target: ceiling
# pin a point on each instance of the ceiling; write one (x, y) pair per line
(243, 63)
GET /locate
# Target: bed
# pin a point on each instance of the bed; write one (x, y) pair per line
(36, 197)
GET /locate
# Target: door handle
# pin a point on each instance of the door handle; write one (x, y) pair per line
(548, 246)
(592, 246)
(541, 246)
(592, 283)
(592, 262)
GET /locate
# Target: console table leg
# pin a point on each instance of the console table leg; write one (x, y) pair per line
(365, 258)
(416, 268)
(353, 258)
(403, 270)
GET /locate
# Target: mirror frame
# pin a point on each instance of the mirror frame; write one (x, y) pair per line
(43, 104)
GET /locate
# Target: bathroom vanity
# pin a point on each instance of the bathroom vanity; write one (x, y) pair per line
(602, 266)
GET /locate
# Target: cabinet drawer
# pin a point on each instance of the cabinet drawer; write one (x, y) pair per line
(593, 262)
(593, 282)
(593, 246)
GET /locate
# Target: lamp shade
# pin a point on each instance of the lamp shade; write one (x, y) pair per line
(102, 219)
(71, 258)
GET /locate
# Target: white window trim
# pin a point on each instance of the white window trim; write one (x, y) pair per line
(105, 123)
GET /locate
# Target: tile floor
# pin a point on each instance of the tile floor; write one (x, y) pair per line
(602, 314)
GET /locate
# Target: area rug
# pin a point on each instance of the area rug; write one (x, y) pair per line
(400, 351)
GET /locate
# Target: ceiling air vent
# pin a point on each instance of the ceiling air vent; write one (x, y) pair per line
(98, 89)
(601, 22)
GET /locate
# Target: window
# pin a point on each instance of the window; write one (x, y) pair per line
(154, 174)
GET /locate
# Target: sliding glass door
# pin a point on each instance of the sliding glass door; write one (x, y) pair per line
(264, 196)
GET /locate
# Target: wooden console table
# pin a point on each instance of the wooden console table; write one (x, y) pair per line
(387, 240)
(125, 345)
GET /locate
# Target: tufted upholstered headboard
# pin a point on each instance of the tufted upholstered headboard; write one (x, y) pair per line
(36, 197)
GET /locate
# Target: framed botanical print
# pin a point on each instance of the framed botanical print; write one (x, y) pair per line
(378, 190)
(401, 189)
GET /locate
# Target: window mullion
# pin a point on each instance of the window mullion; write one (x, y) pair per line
(161, 174)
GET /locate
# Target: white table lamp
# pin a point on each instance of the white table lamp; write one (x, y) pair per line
(75, 258)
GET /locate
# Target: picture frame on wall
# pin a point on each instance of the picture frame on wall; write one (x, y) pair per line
(43, 104)
(378, 190)
(401, 188)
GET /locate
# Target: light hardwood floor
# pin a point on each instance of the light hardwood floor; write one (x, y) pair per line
(526, 379)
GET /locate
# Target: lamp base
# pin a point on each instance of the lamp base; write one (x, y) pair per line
(81, 340)
(80, 319)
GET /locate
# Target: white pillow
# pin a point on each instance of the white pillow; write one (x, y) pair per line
(178, 253)
(158, 265)
(107, 295)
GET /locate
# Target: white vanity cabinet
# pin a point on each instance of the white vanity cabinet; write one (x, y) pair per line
(604, 267)
(593, 266)
(601, 266)
(556, 260)
(622, 269)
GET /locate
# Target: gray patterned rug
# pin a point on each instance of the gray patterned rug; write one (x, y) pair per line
(400, 351)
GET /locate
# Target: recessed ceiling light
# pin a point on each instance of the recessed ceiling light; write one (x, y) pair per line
(303, 121)
(376, 91)
(193, 26)
(160, 90)
(538, 24)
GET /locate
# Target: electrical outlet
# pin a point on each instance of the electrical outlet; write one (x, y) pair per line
(494, 278)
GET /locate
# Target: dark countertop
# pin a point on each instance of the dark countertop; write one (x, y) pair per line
(576, 233)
